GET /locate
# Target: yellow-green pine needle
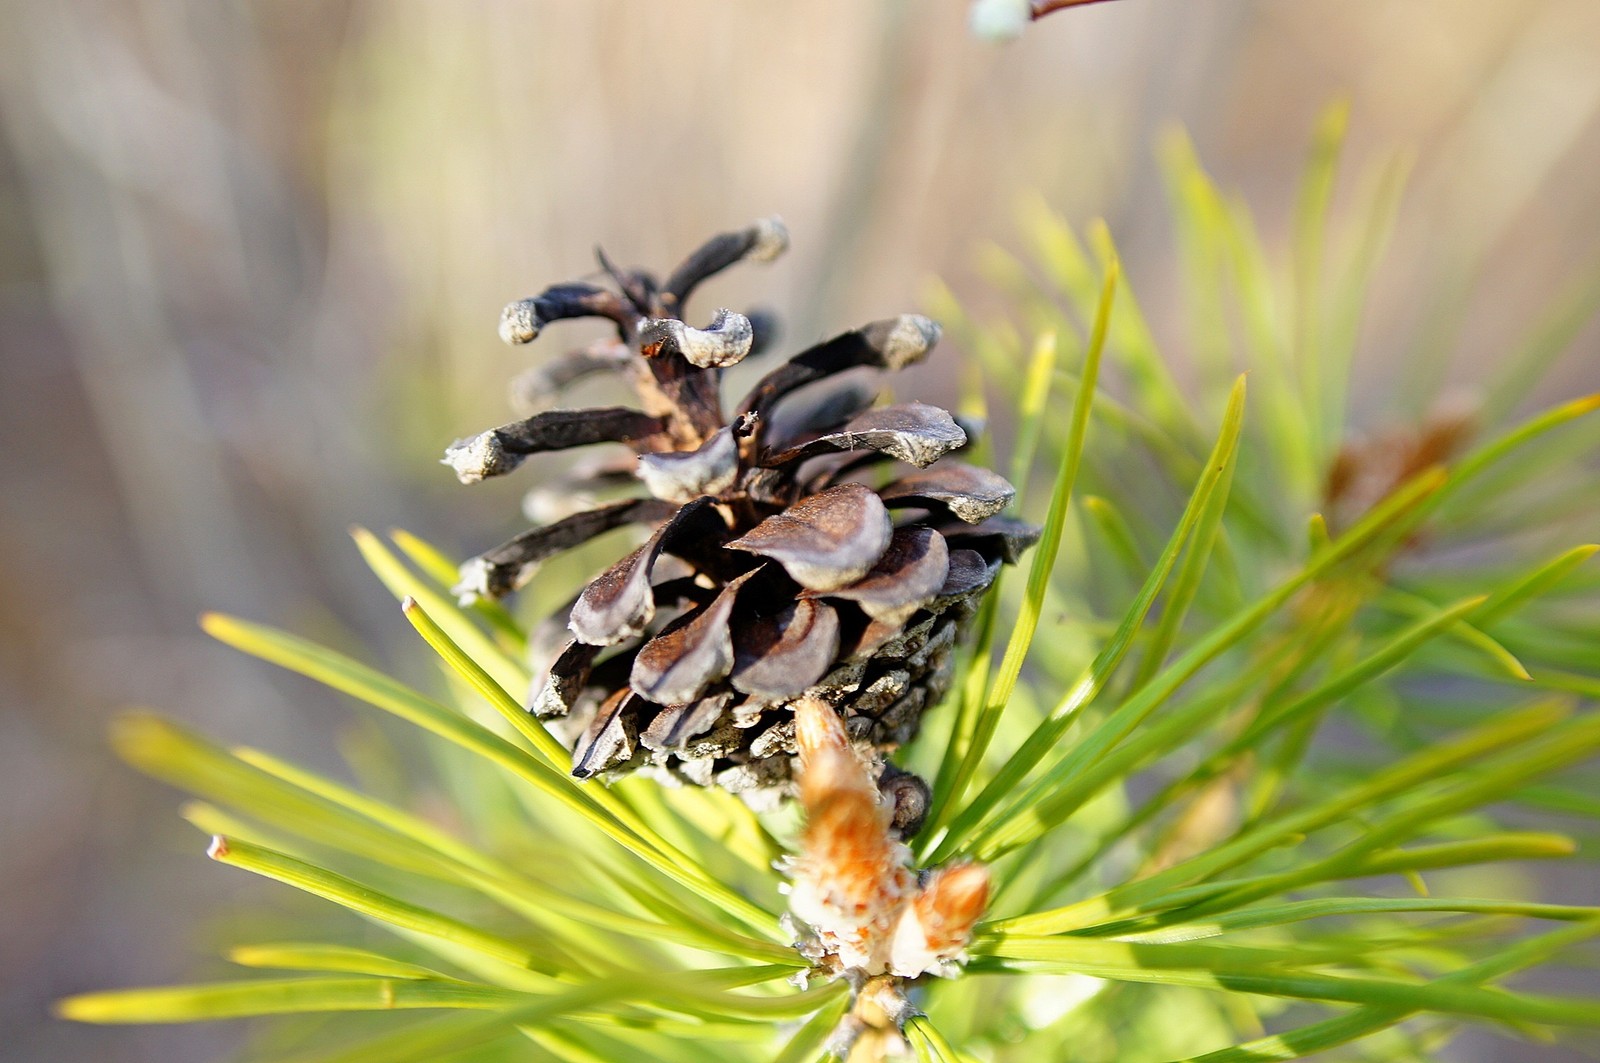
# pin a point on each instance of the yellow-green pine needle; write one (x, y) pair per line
(375, 904)
(1044, 554)
(403, 583)
(437, 566)
(314, 956)
(656, 850)
(964, 830)
(229, 1000)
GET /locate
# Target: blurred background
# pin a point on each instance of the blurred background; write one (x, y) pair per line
(252, 257)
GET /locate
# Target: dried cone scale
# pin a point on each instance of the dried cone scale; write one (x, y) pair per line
(809, 545)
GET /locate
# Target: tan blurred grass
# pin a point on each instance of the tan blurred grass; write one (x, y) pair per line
(253, 254)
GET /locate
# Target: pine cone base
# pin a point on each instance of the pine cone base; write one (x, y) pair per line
(752, 750)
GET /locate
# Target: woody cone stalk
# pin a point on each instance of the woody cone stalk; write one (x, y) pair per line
(810, 547)
(859, 910)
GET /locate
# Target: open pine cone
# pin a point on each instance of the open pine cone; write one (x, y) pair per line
(776, 569)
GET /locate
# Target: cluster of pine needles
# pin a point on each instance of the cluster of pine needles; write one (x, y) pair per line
(1257, 744)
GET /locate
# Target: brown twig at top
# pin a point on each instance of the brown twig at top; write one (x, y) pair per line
(1041, 8)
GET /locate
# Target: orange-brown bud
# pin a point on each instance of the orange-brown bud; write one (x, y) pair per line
(938, 923)
(851, 880)
(951, 904)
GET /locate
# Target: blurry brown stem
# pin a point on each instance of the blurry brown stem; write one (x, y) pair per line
(1041, 8)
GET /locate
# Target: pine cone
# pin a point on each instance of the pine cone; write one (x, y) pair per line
(774, 570)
